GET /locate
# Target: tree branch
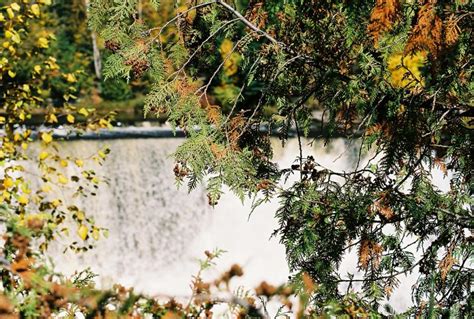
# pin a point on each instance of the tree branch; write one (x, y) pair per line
(247, 22)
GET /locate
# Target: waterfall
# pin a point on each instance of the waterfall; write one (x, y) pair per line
(158, 232)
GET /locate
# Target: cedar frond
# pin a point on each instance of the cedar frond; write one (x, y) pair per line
(451, 30)
(214, 114)
(218, 151)
(236, 125)
(370, 253)
(364, 254)
(382, 18)
(427, 34)
(382, 207)
(446, 264)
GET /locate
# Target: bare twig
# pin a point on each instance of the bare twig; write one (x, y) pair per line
(247, 22)
(201, 45)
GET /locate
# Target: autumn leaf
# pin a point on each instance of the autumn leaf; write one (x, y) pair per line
(8, 182)
(62, 179)
(47, 137)
(70, 118)
(23, 200)
(79, 162)
(82, 231)
(405, 70)
(83, 111)
(35, 9)
(52, 118)
(43, 43)
(43, 155)
(15, 6)
(71, 78)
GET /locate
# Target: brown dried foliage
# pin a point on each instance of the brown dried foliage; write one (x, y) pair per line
(234, 271)
(218, 151)
(451, 30)
(346, 116)
(214, 114)
(383, 17)
(382, 207)
(266, 289)
(256, 15)
(379, 128)
(427, 34)
(236, 126)
(7, 310)
(447, 263)
(370, 254)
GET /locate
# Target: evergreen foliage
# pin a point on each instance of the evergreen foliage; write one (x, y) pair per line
(396, 73)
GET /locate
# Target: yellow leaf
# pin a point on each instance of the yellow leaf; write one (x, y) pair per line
(46, 2)
(15, 6)
(43, 43)
(79, 163)
(23, 200)
(37, 69)
(10, 13)
(226, 47)
(52, 118)
(82, 232)
(52, 63)
(47, 138)
(63, 163)
(2, 17)
(24, 145)
(70, 118)
(62, 179)
(80, 216)
(2, 120)
(16, 38)
(46, 188)
(56, 202)
(71, 78)
(25, 189)
(95, 234)
(103, 123)
(6, 195)
(11, 73)
(83, 111)
(405, 70)
(35, 9)
(102, 155)
(43, 155)
(8, 182)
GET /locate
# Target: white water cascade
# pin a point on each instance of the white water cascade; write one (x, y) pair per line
(157, 232)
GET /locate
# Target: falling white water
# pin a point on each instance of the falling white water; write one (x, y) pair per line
(158, 233)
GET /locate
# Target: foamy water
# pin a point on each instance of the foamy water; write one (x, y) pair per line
(157, 232)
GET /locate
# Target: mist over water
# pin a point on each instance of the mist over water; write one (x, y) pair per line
(158, 232)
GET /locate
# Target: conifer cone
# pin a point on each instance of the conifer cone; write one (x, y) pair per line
(139, 66)
(112, 46)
